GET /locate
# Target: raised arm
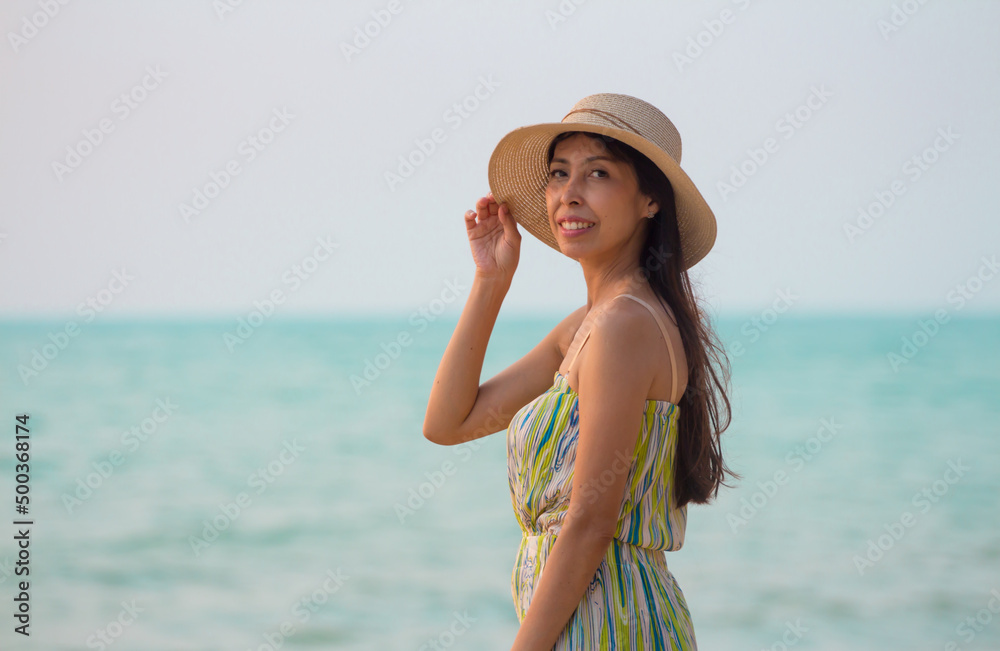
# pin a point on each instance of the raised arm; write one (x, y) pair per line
(456, 384)
(495, 244)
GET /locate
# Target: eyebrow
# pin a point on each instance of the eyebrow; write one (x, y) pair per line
(586, 160)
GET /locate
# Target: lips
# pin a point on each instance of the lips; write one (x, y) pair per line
(573, 218)
(566, 232)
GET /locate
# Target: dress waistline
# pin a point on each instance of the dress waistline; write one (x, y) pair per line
(623, 551)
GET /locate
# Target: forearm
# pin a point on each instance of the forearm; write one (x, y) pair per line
(456, 383)
(569, 569)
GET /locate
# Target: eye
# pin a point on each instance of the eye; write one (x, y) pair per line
(555, 173)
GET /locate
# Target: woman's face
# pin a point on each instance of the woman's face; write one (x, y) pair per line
(585, 182)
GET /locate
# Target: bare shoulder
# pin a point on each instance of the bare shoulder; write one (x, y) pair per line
(619, 363)
(627, 324)
(630, 338)
(624, 329)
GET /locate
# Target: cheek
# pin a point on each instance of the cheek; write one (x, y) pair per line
(551, 201)
(617, 202)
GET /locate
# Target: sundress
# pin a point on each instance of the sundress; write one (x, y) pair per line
(633, 601)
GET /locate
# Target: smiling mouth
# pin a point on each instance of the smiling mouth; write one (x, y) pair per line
(576, 226)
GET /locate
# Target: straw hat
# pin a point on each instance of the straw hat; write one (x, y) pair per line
(518, 171)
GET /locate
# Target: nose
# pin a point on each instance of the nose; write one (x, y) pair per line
(572, 190)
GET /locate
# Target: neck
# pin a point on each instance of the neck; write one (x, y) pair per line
(609, 277)
(604, 283)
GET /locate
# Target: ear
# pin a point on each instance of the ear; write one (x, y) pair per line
(652, 206)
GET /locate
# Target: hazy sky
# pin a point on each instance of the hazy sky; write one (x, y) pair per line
(892, 107)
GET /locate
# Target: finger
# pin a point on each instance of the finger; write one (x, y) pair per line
(483, 208)
(504, 212)
(487, 206)
(509, 223)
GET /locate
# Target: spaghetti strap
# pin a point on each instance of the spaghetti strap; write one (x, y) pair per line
(663, 331)
(575, 351)
(659, 323)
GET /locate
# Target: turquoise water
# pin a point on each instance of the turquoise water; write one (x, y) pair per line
(255, 498)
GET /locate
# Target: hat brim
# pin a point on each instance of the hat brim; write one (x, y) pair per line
(518, 174)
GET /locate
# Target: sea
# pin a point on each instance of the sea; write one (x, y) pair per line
(188, 487)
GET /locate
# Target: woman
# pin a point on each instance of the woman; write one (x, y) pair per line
(603, 462)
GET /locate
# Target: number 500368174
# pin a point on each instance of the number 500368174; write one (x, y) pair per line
(22, 449)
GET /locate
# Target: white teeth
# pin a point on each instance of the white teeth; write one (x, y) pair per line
(575, 226)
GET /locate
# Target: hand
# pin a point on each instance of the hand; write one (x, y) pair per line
(495, 240)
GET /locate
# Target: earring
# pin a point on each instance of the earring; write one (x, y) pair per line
(651, 215)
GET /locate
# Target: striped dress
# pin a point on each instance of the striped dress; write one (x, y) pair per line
(633, 601)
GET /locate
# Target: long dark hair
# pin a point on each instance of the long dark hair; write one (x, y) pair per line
(704, 408)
